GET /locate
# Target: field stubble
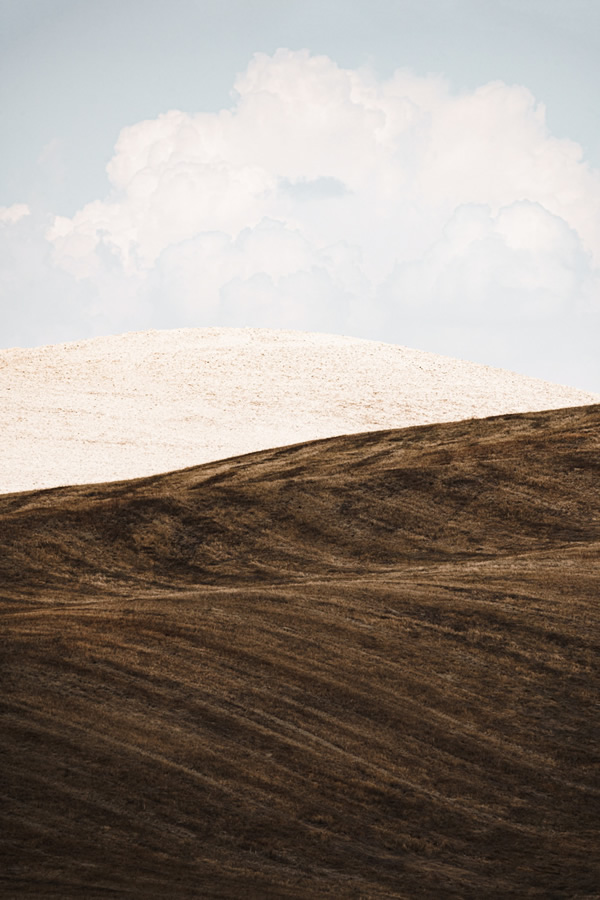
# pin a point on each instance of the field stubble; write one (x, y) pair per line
(361, 667)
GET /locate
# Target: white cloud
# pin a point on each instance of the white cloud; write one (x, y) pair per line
(402, 154)
(515, 289)
(520, 264)
(326, 197)
(11, 214)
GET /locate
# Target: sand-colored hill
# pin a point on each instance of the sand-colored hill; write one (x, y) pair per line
(361, 667)
(142, 403)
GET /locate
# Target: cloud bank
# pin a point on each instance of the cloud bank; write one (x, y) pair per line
(328, 199)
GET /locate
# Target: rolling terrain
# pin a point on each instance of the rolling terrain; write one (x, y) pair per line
(130, 405)
(360, 667)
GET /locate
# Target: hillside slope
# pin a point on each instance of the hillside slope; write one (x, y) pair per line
(359, 667)
(138, 404)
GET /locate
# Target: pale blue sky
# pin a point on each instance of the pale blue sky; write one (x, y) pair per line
(73, 73)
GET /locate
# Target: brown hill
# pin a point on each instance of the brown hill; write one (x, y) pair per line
(360, 667)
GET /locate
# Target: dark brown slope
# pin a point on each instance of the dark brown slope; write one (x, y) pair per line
(362, 667)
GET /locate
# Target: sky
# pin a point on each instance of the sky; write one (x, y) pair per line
(424, 172)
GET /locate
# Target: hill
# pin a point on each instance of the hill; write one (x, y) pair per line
(138, 404)
(359, 667)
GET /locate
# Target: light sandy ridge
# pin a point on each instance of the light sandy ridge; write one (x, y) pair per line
(148, 402)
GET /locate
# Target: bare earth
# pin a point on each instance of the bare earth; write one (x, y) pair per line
(138, 404)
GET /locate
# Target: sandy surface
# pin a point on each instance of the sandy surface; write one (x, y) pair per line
(142, 403)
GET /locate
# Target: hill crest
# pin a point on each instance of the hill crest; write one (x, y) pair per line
(138, 404)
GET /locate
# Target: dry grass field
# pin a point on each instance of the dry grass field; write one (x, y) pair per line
(362, 667)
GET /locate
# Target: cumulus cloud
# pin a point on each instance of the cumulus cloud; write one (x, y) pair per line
(500, 288)
(520, 264)
(328, 198)
(11, 214)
